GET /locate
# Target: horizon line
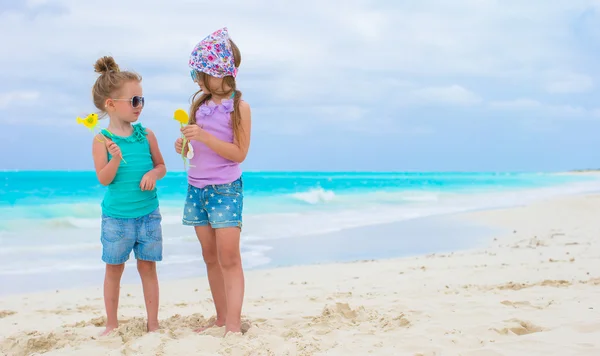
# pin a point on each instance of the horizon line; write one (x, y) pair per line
(575, 170)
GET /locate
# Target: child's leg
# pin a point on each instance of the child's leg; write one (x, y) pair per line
(228, 245)
(117, 243)
(226, 204)
(112, 286)
(206, 236)
(147, 270)
(148, 250)
(199, 205)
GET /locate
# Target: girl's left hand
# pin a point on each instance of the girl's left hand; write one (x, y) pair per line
(148, 181)
(194, 132)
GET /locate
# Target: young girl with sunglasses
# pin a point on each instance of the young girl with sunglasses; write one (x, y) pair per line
(219, 133)
(128, 160)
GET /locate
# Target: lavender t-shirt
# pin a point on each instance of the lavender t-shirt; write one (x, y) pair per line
(210, 168)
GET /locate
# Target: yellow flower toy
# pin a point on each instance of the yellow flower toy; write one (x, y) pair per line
(182, 117)
(91, 121)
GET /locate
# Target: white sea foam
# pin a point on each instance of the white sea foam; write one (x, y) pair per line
(373, 208)
(314, 196)
(67, 244)
(252, 256)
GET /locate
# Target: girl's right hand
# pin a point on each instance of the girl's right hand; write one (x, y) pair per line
(113, 148)
(179, 145)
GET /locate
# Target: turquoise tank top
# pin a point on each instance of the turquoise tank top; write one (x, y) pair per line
(124, 197)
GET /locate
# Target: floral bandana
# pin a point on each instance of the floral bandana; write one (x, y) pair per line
(214, 55)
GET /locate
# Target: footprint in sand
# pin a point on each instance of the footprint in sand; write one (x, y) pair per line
(593, 281)
(340, 295)
(513, 286)
(519, 328)
(97, 322)
(555, 283)
(546, 283)
(34, 342)
(5, 313)
(292, 334)
(341, 314)
(520, 304)
(535, 242)
(129, 330)
(340, 311)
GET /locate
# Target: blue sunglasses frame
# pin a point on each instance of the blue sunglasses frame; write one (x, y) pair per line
(136, 101)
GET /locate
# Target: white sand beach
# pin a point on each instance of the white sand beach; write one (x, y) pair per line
(533, 291)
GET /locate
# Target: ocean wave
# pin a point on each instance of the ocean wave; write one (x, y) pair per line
(322, 196)
(325, 209)
(72, 244)
(47, 249)
(36, 248)
(262, 227)
(315, 196)
(79, 216)
(252, 255)
(72, 222)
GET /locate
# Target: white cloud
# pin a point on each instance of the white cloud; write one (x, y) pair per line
(429, 37)
(454, 95)
(17, 98)
(521, 103)
(531, 105)
(297, 54)
(343, 113)
(569, 83)
(35, 3)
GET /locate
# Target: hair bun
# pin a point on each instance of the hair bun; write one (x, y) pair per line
(105, 65)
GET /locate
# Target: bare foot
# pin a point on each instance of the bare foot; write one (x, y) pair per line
(152, 327)
(233, 328)
(108, 330)
(210, 324)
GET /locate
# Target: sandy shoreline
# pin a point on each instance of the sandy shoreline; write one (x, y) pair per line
(533, 291)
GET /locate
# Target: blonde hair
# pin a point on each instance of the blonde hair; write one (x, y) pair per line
(236, 117)
(110, 81)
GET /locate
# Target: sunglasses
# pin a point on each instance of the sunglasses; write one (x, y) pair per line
(135, 101)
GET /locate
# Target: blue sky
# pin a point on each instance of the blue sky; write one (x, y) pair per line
(333, 85)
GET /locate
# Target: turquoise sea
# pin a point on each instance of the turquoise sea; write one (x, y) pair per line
(49, 221)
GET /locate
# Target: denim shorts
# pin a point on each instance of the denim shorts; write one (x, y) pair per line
(143, 235)
(217, 205)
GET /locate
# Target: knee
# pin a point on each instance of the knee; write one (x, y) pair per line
(210, 257)
(230, 259)
(146, 267)
(114, 271)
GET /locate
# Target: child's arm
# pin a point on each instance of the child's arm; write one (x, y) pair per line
(149, 179)
(159, 163)
(105, 169)
(235, 151)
